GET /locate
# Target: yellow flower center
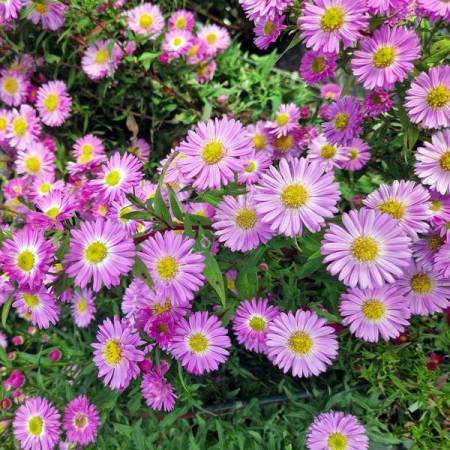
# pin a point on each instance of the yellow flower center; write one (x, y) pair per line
(32, 301)
(259, 141)
(180, 23)
(284, 143)
(35, 425)
(3, 123)
(213, 152)
(300, 343)
(421, 283)
(332, 19)
(102, 56)
(393, 207)
(337, 441)
(20, 126)
(384, 57)
(95, 252)
(373, 310)
(294, 196)
(87, 152)
(10, 85)
(193, 50)
(246, 218)
(212, 38)
(112, 352)
(102, 209)
(45, 188)
(52, 212)
(113, 178)
(341, 121)
(438, 97)
(26, 260)
(167, 268)
(40, 7)
(51, 102)
(146, 21)
(177, 42)
(318, 64)
(436, 205)
(354, 153)
(365, 249)
(328, 151)
(198, 343)
(33, 164)
(268, 28)
(434, 242)
(159, 308)
(82, 305)
(444, 161)
(257, 323)
(250, 167)
(81, 420)
(282, 119)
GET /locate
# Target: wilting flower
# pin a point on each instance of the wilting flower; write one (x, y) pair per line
(53, 103)
(136, 297)
(157, 391)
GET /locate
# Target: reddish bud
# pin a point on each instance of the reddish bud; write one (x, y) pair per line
(17, 340)
(55, 355)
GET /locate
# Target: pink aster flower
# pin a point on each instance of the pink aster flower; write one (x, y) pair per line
(88, 152)
(356, 155)
(181, 20)
(385, 7)
(139, 148)
(35, 162)
(9, 9)
(81, 421)
(428, 99)
(53, 103)
(238, 224)
(425, 249)
(330, 91)
(290, 145)
(215, 38)
(174, 267)
(118, 176)
(436, 9)
(425, 290)
(345, 121)
(378, 102)
(13, 86)
(251, 321)
(24, 128)
(286, 120)
(197, 52)
(205, 71)
(37, 424)
(157, 391)
(442, 260)
(375, 313)
(177, 43)
(260, 137)
(439, 208)
(326, 23)
(386, 57)
(267, 30)
(136, 297)
(335, 430)
(55, 208)
(116, 353)
(253, 166)
(211, 153)
(83, 308)
(317, 66)
(49, 13)
(146, 20)
(406, 202)
(264, 8)
(200, 343)
(27, 257)
(15, 187)
(301, 343)
(44, 184)
(367, 250)
(5, 118)
(433, 162)
(101, 59)
(161, 328)
(100, 251)
(201, 209)
(296, 194)
(323, 152)
(38, 306)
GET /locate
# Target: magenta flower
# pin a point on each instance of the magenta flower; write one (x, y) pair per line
(4, 124)
(425, 249)
(435, 9)
(378, 102)
(200, 343)
(330, 91)
(83, 308)
(356, 155)
(301, 343)
(177, 43)
(386, 7)
(286, 120)
(53, 103)
(157, 391)
(367, 250)
(139, 148)
(136, 297)
(317, 66)
(9, 9)
(116, 353)
(254, 166)
(13, 86)
(297, 194)
(255, 9)
(88, 152)
(146, 20)
(35, 162)
(215, 38)
(24, 128)
(181, 20)
(261, 139)
(442, 261)
(321, 151)
(49, 13)
(267, 30)
(100, 60)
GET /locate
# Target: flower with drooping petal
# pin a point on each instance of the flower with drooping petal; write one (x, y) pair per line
(286, 120)
(367, 250)
(356, 155)
(136, 297)
(36, 161)
(53, 103)
(255, 9)
(83, 308)
(301, 343)
(296, 194)
(436, 9)
(9, 9)
(181, 20)
(425, 249)
(139, 148)
(378, 102)
(146, 20)
(49, 12)
(88, 152)
(330, 91)
(317, 66)
(335, 430)
(157, 391)
(100, 252)
(101, 59)
(215, 38)
(116, 353)
(37, 424)
(267, 30)
(200, 343)
(24, 128)
(254, 165)
(325, 153)
(13, 86)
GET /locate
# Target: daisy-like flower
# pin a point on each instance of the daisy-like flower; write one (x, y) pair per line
(56, 207)
(296, 194)
(200, 343)
(253, 166)
(425, 249)
(4, 123)
(201, 209)
(378, 102)
(301, 343)
(345, 121)
(37, 424)
(215, 38)
(49, 12)
(250, 322)
(205, 71)
(101, 59)
(386, 57)
(88, 152)
(326, 23)
(9, 9)
(317, 66)
(157, 391)
(83, 308)
(425, 290)
(174, 267)
(323, 152)
(375, 313)
(81, 421)
(53, 103)
(38, 306)
(260, 137)
(406, 202)
(27, 257)
(238, 225)
(117, 212)
(35, 162)
(436, 9)
(367, 250)
(100, 251)
(146, 20)
(335, 430)
(288, 146)
(428, 99)
(181, 20)
(118, 176)
(177, 43)
(197, 52)
(211, 153)
(137, 296)
(264, 8)
(24, 128)
(43, 185)
(268, 30)
(442, 260)
(439, 208)
(356, 155)
(433, 162)
(330, 91)
(286, 120)
(139, 148)
(13, 86)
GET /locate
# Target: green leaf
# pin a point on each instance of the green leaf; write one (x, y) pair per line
(160, 207)
(312, 264)
(247, 282)
(147, 58)
(5, 312)
(214, 276)
(175, 205)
